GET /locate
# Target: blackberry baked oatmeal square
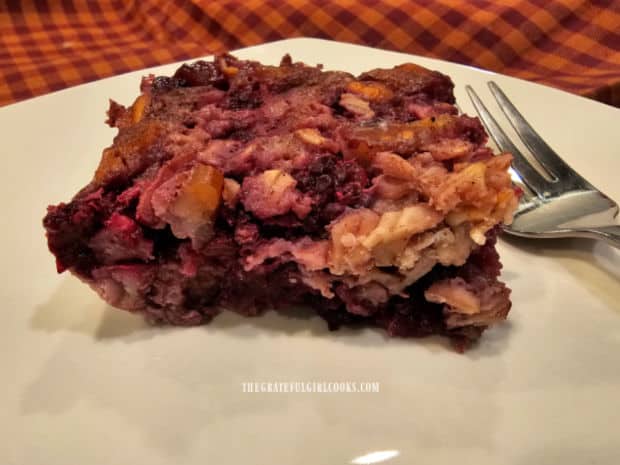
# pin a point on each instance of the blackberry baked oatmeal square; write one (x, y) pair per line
(235, 185)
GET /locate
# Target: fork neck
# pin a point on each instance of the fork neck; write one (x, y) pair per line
(609, 234)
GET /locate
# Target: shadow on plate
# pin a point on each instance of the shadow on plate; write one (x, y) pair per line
(74, 307)
(106, 378)
(594, 263)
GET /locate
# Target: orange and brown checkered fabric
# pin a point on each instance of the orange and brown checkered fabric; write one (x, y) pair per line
(46, 45)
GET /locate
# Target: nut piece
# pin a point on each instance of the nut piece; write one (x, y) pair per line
(273, 193)
(278, 181)
(447, 149)
(346, 251)
(402, 224)
(454, 292)
(362, 238)
(357, 106)
(395, 166)
(310, 136)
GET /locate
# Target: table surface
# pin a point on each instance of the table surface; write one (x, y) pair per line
(47, 45)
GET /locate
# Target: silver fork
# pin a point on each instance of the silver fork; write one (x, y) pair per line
(560, 204)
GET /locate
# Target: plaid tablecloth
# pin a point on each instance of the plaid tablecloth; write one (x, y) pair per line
(46, 45)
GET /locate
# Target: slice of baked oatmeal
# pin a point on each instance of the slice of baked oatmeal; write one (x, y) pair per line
(235, 185)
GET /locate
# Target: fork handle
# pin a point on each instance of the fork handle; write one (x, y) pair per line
(609, 234)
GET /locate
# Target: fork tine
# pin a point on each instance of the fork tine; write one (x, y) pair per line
(547, 157)
(518, 181)
(532, 178)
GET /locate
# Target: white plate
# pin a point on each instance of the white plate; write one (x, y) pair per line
(85, 384)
